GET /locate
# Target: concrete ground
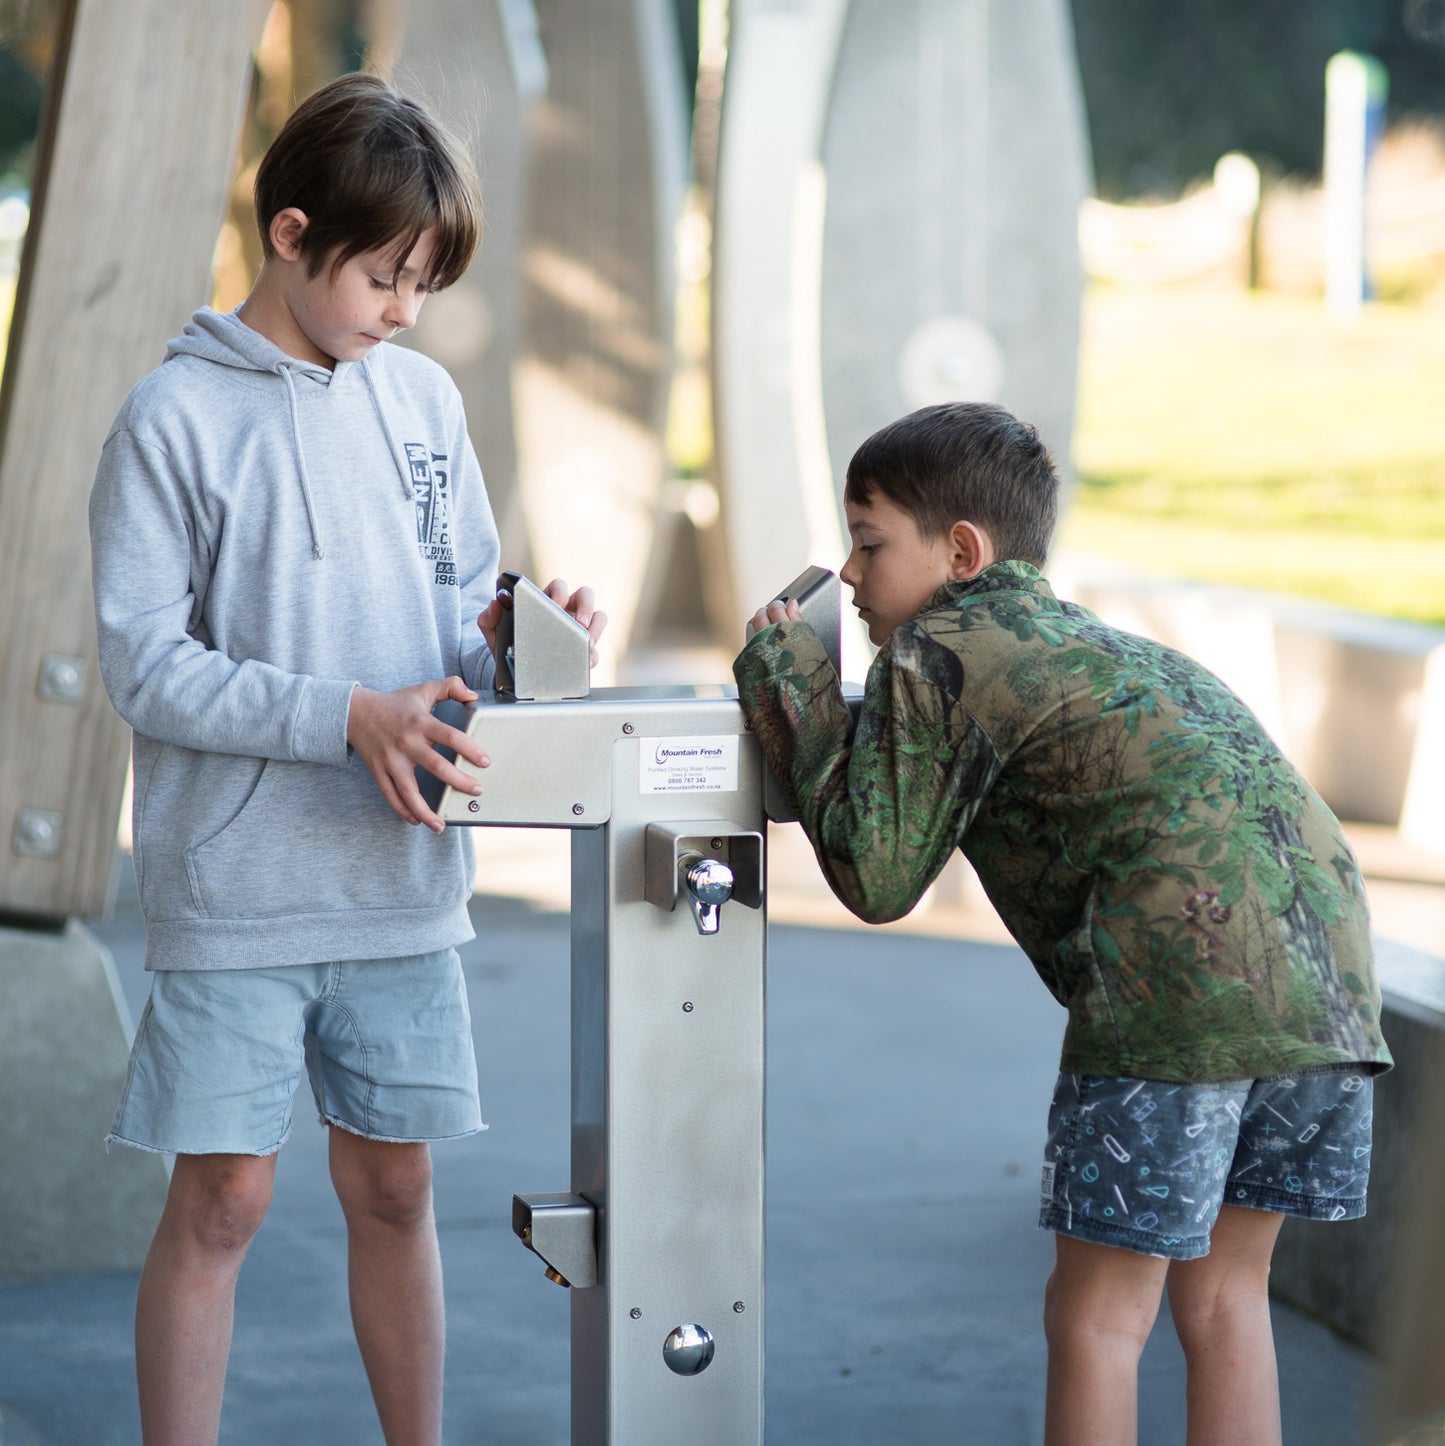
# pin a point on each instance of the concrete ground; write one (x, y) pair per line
(908, 1083)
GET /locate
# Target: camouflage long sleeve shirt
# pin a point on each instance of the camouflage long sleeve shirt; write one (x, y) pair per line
(1178, 886)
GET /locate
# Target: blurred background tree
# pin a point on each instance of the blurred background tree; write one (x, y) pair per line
(1168, 88)
(27, 47)
(1171, 88)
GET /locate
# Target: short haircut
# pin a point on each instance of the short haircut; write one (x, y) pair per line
(372, 171)
(964, 461)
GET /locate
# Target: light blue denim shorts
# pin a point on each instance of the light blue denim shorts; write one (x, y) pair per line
(1146, 1165)
(218, 1054)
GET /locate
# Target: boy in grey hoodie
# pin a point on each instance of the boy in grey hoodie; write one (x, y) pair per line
(294, 560)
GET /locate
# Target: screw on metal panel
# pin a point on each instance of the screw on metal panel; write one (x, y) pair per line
(62, 678)
(474, 807)
(687, 1006)
(635, 1313)
(716, 845)
(37, 833)
(739, 1306)
(628, 728)
(578, 809)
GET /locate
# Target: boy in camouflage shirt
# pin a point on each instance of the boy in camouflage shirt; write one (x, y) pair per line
(1178, 886)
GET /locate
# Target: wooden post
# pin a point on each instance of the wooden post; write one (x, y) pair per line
(608, 167)
(133, 170)
(480, 68)
(963, 125)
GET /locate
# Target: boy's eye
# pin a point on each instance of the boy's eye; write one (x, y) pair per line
(381, 283)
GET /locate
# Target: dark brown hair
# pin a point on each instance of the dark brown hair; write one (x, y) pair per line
(964, 461)
(371, 170)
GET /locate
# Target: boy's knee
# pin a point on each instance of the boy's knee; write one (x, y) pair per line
(1230, 1283)
(222, 1200)
(390, 1185)
(1206, 1308)
(1082, 1316)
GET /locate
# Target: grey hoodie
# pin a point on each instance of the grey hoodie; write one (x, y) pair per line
(267, 534)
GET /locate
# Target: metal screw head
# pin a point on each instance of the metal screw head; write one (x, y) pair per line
(628, 729)
(62, 678)
(739, 1306)
(37, 833)
(578, 809)
(635, 1313)
(687, 1006)
(474, 807)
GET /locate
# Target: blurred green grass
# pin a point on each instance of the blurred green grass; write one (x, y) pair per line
(1251, 440)
(1255, 441)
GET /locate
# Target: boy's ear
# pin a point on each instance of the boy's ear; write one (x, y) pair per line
(287, 228)
(971, 550)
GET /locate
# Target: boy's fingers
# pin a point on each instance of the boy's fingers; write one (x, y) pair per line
(415, 809)
(393, 799)
(583, 606)
(460, 744)
(452, 687)
(776, 611)
(451, 775)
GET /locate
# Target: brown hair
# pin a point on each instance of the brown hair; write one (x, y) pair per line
(372, 171)
(964, 461)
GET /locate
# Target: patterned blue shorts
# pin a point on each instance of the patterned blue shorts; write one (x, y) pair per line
(1145, 1164)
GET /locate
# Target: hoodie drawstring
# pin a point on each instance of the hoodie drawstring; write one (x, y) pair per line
(316, 549)
(400, 457)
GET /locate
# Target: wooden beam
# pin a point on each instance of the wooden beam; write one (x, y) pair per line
(480, 68)
(133, 171)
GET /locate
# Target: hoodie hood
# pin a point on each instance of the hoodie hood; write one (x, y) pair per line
(223, 338)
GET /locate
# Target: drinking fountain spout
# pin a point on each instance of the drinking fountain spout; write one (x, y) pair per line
(708, 884)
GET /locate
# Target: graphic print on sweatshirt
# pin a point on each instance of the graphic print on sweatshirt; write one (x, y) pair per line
(430, 479)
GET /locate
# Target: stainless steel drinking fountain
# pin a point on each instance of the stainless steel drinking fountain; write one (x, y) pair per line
(660, 1237)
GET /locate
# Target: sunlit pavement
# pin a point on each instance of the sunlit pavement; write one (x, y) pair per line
(908, 1083)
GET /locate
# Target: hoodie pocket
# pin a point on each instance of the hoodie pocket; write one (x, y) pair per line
(312, 839)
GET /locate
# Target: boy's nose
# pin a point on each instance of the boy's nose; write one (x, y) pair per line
(401, 313)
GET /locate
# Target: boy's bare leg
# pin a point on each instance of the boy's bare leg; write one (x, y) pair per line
(396, 1280)
(187, 1293)
(1099, 1308)
(1220, 1306)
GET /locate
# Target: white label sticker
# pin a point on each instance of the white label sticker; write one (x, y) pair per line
(688, 765)
(1046, 1184)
